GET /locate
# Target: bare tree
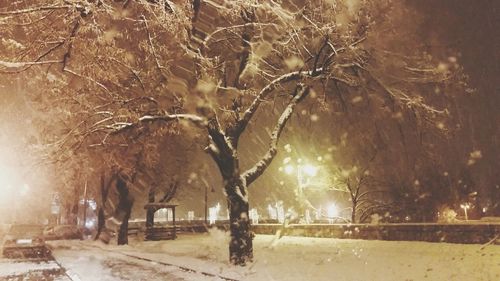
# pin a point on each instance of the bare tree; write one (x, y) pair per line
(365, 195)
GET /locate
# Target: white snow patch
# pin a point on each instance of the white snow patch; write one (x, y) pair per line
(13, 267)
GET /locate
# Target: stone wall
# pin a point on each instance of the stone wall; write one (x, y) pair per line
(451, 233)
(467, 233)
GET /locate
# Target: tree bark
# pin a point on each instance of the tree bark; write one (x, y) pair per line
(101, 221)
(123, 210)
(123, 232)
(353, 214)
(150, 213)
(241, 246)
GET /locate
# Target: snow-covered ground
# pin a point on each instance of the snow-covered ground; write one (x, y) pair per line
(31, 270)
(289, 258)
(88, 261)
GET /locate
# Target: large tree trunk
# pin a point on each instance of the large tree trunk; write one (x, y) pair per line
(353, 214)
(123, 210)
(240, 245)
(101, 217)
(123, 232)
(101, 222)
(150, 213)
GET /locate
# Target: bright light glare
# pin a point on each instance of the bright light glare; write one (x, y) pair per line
(24, 190)
(310, 170)
(5, 177)
(213, 213)
(289, 169)
(89, 224)
(7, 190)
(332, 211)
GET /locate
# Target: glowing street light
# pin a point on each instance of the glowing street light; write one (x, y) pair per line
(332, 212)
(465, 206)
(213, 213)
(310, 170)
(254, 216)
(304, 172)
(289, 169)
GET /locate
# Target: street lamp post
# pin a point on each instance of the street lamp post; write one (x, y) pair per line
(300, 183)
(304, 173)
(205, 183)
(85, 205)
(206, 204)
(302, 180)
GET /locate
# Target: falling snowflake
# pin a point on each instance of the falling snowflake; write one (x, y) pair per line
(288, 148)
(357, 99)
(442, 67)
(474, 156)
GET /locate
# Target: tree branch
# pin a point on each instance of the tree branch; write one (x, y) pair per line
(16, 67)
(221, 29)
(221, 148)
(253, 173)
(248, 114)
(34, 10)
(150, 40)
(121, 126)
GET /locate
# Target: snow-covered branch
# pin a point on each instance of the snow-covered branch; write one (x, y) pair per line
(248, 114)
(151, 44)
(35, 9)
(253, 173)
(397, 95)
(14, 67)
(195, 119)
(102, 86)
(239, 26)
(221, 148)
(111, 126)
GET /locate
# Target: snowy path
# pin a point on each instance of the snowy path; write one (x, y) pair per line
(35, 270)
(88, 262)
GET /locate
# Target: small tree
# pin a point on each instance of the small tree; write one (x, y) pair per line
(364, 194)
